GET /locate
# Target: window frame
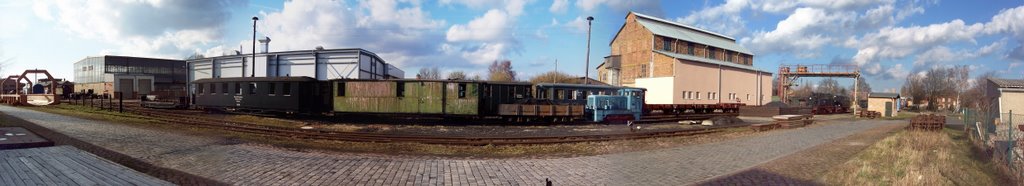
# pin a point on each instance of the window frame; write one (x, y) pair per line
(252, 88)
(286, 89)
(271, 89)
(462, 90)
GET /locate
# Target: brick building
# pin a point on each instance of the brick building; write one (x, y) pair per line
(679, 64)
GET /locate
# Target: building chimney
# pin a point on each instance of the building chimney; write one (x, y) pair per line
(265, 43)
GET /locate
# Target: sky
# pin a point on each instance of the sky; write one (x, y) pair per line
(887, 39)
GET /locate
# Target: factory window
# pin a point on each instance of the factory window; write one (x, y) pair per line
(286, 89)
(462, 90)
(728, 56)
(238, 88)
(399, 89)
(690, 47)
(748, 97)
(340, 92)
(271, 87)
(697, 95)
(224, 88)
(666, 43)
(710, 96)
(643, 70)
(252, 88)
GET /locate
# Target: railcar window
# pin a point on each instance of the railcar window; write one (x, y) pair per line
(252, 88)
(286, 89)
(224, 88)
(462, 90)
(341, 89)
(238, 88)
(400, 89)
(199, 89)
(271, 88)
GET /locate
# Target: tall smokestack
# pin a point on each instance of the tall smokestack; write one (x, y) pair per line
(265, 43)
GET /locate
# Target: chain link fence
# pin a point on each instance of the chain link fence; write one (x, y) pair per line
(1000, 135)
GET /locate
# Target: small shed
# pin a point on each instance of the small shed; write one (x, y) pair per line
(886, 103)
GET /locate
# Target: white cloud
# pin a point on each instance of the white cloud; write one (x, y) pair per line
(899, 42)
(492, 26)
(802, 32)
(1007, 21)
(512, 7)
(941, 55)
(153, 28)
(725, 18)
(398, 31)
(578, 25)
(896, 71)
(559, 6)
(778, 6)
(646, 7)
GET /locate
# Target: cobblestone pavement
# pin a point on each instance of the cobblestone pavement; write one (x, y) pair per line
(249, 164)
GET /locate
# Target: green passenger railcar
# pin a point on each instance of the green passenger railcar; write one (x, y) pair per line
(429, 97)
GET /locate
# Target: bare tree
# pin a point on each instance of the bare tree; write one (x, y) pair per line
(938, 85)
(501, 71)
(195, 56)
(457, 75)
(977, 95)
(4, 61)
(830, 86)
(959, 77)
(555, 77)
(429, 73)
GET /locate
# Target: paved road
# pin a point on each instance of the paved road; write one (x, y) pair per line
(248, 164)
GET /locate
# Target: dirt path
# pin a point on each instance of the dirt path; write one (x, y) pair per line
(805, 167)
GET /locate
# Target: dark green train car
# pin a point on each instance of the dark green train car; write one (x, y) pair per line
(425, 97)
(264, 94)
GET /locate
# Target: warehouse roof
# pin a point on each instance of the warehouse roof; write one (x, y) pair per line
(1008, 83)
(678, 31)
(883, 95)
(710, 61)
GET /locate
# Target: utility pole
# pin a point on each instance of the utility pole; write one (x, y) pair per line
(554, 77)
(254, 19)
(586, 72)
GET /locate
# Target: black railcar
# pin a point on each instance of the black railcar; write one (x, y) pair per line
(263, 94)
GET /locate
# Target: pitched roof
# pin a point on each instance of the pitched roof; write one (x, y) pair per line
(1008, 83)
(709, 61)
(883, 95)
(678, 31)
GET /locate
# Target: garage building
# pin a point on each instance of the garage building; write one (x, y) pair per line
(131, 76)
(680, 64)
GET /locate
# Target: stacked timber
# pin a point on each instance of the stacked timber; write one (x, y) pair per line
(869, 114)
(927, 122)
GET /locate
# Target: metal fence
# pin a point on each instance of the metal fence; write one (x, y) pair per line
(1000, 134)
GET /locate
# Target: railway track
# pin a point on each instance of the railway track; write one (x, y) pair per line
(191, 119)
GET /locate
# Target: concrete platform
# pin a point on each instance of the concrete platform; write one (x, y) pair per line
(19, 138)
(65, 165)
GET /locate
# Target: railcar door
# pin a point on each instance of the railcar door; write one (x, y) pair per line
(430, 97)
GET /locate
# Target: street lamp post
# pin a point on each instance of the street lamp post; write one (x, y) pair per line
(254, 19)
(586, 72)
